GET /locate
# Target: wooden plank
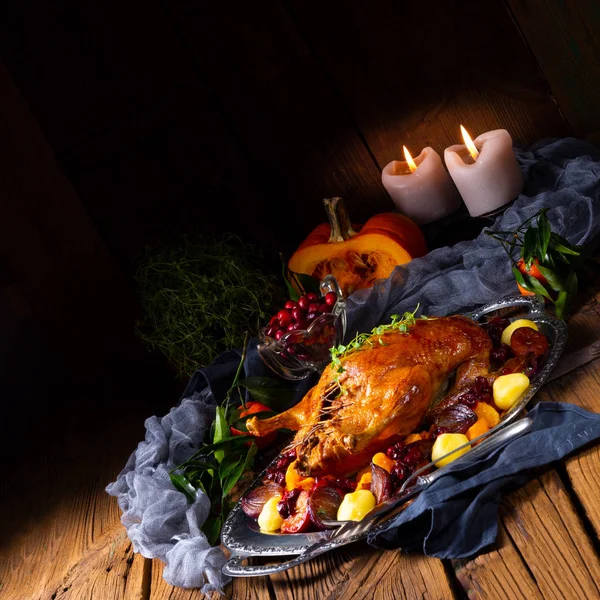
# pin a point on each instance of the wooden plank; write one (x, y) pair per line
(179, 170)
(52, 249)
(105, 571)
(298, 135)
(412, 74)
(61, 531)
(582, 387)
(565, 39)
(543, 549)
(500, 573)
(100, 64)
(542, 521)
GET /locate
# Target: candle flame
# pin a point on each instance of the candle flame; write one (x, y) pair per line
(409, 160)
(469, 143)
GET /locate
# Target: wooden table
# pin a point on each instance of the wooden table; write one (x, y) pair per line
(62, 538)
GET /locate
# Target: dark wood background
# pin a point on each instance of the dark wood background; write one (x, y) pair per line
(126, 123)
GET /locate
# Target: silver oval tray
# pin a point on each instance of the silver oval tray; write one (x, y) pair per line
(241, 535)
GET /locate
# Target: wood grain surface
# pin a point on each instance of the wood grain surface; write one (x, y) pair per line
(123, 125)
(565, 40)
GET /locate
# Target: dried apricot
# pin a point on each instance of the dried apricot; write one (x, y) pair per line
(480, 427)
(525, 340)
(488, 413)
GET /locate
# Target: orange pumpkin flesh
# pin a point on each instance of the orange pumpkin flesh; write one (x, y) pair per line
(358, 255)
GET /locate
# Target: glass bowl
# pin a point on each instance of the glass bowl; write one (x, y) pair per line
(301, 352)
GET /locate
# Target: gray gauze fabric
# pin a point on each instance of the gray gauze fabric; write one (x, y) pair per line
(561, 175)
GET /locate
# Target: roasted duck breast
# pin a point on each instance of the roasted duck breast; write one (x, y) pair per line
(380, 392)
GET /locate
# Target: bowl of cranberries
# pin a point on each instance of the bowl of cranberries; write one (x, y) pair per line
(298, 338)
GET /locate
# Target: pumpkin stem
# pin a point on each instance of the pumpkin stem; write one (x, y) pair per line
(341, 228)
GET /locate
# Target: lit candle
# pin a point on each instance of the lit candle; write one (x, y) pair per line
(421, 188)
(485, 171)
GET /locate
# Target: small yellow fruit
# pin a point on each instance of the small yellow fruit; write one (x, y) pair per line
(507, 389)
(356, 505)
(269, 519)
(447, 442)
(507, 333)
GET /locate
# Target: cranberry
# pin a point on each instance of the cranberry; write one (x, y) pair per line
(283, 462)
(411, 456)
(345, 484)
(314, 307)
(285, 317)
(274, 475)
(331, 298)
(532, 366)
(312, 316)
(298, 314)
(279, 334)
(274, 321)
(399, 472)
(291, 305)
(303, 302)
(501, 354)
(287, 505)
(396, 451)
(312, 297)
(326, 308)
(469, 399)
(271, 331)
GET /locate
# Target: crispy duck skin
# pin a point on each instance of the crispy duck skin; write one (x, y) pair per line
(382, 394)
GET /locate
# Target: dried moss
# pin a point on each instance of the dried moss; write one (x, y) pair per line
(200, 296)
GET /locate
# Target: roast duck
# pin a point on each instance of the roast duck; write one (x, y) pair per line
(385, 389)
(382, 392)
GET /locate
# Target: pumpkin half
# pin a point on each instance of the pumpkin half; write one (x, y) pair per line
(357, 255)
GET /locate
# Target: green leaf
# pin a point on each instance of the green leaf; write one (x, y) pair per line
(554, 281)
(529, 249)
(183, 485)
(561, 305)
(531, 284)
(228, 465)
(308, 283)
(560, 244)
(221, 431)
(572, 282)
(543, 234)
(212, 529)
(267, 390)
(233, 477)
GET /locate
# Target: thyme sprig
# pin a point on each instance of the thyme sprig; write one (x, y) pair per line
(362, 340)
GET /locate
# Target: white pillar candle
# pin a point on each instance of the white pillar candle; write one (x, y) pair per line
(421, 189)
(488, 176)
